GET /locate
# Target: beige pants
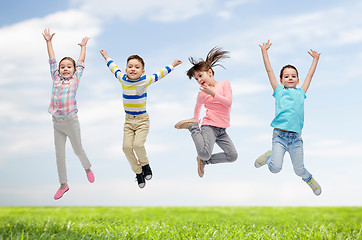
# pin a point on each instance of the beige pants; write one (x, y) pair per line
(68, 127)
(135, 133)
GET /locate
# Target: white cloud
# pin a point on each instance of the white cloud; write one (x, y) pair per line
(235, 3)
(243, 88)
(318, 30)
(226, 15)
(23, 46)
(335, 148)
(158, 10)
(245, 120)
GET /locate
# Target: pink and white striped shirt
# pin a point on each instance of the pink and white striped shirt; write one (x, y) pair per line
(217, 108)
(64, 90)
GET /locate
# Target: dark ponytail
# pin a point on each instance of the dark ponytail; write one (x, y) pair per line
(213, 57)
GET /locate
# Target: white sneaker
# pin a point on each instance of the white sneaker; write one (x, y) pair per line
(260, 161)
(317, 190)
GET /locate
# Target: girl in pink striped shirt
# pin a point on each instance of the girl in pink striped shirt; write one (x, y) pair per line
(216, 96)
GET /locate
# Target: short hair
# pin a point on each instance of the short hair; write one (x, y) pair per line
(138, 58)
(215, 55)
(287, 66)
(67, 58)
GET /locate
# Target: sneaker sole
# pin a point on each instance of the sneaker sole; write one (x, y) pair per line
(257, 164)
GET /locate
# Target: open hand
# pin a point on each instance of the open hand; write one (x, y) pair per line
(265, 46)
(314, 54)
(104, 53)
(84, 42)
(47, 35)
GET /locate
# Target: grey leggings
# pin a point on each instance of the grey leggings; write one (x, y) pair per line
(68, 127)
(205, 138)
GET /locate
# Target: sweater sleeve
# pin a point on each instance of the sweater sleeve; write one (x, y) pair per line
(158, 75)
(114, 69)
(227, 98)
(199, 102)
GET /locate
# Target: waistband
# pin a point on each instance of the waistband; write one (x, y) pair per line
(214, 127)
(285, 133)
(66, 118)
(139, 116)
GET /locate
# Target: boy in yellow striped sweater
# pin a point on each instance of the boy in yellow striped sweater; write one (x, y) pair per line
(134, 84)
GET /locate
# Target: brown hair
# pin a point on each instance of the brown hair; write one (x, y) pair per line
(287, 66)
(215, 55)
(138, 58)
(67, 58)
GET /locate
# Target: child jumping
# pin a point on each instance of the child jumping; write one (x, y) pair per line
(216, 97)
(134, 84)
(63, 107)
(289, 119)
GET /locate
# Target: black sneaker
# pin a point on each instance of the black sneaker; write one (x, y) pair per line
(141, 180)
(147, 172)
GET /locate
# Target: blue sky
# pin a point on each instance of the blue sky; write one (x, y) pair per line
(161, 31)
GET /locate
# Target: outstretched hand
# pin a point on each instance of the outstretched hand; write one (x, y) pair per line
(84, 42)
(265, 46)
(176, 63)
(104, 53)
(47, 35)
(314, 54)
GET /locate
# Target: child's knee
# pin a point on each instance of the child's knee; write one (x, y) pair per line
(127, 147)
(275, 169)
(232, 157)
(138, 146)
(299, 172)
(204, 155)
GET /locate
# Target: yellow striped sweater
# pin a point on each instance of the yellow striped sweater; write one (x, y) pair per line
(135, 91)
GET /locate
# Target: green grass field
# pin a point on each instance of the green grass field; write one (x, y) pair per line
(181, 223)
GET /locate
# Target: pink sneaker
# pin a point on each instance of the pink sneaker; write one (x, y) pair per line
(60, 192)
(90, 177)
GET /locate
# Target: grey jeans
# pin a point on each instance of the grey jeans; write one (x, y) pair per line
(205, 138)
(68, 127)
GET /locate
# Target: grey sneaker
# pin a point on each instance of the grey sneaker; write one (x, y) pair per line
(140, 180)
(260, 161)
(317, 190)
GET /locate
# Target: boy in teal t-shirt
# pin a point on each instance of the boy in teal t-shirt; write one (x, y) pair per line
(289, 119)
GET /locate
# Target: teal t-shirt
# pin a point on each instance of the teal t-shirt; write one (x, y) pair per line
(289, 109)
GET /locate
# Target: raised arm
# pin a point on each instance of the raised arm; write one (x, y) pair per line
(310, 74)
(112, 66)
(48, 38)
(83, 45)
(161, 73)
(264, 51)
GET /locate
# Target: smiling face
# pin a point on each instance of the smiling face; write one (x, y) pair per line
(289, 78)
(66, 68)
(205, 78)
(134, 69)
